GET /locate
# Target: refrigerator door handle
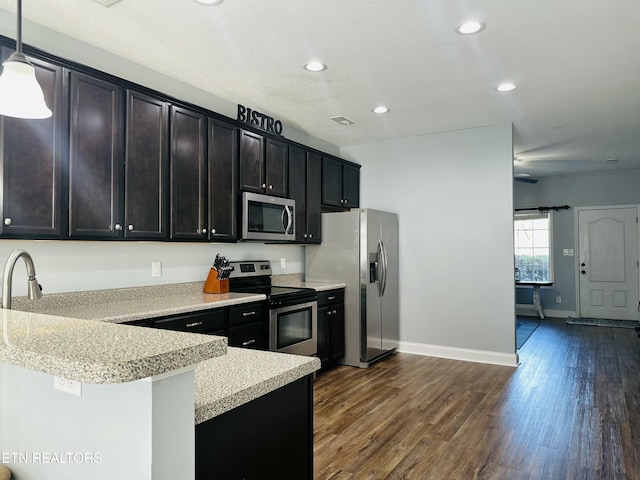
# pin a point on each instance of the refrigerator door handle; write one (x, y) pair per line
(383, 277)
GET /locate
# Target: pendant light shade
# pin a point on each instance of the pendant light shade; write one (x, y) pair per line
(20, 93)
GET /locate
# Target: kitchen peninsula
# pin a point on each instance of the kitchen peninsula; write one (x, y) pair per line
(144, 403)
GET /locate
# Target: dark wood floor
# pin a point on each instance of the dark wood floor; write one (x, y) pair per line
(570, 411)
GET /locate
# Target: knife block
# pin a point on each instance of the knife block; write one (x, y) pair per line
(213, 285)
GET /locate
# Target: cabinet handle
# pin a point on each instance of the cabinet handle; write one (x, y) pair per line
(311, 235)
(305, 235)
(194, 324)
(213, 230)
(264, 185)
(117, 227)
(333, 297)
(248, 314)
(7, 221)
(328, 313)
(248, 342)
(204, 230)
(334, 312)
(346, 201)
(130, 227)
(270, 187)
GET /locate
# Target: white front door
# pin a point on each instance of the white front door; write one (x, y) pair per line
(608, 263)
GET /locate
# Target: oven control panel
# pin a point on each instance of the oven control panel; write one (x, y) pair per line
(250, 268)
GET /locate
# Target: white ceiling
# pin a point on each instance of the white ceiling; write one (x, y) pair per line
(575, 62)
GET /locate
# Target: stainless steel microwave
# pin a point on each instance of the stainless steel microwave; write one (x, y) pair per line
(267, 218)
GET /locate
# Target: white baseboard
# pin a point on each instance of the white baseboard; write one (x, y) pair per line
(464, 354)
(529, 310)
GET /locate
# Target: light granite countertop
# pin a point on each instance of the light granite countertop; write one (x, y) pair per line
(226, 382)
(121, 305)
(83, 343)
(295, 280)
(98, 352)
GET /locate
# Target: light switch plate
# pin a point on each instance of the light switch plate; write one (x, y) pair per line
(567, 252)
(156, 269)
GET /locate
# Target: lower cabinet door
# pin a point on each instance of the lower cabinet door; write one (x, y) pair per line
(324, 316)
(269, 438)
(251, 335)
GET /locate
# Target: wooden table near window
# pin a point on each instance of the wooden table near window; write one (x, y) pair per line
(536, 293)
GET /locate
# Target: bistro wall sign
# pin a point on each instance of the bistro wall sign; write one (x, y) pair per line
(259, 120)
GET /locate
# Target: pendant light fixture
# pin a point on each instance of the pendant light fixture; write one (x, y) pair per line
(20, 93)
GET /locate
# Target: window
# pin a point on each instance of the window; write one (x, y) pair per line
(533, 252)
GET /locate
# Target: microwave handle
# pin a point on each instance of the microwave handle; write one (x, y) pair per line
(289, 219)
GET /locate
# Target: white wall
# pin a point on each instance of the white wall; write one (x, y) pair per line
(68, 266)
(454, 196)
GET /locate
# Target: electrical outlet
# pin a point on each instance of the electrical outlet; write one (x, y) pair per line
(283, 262)
(156, 269)
(68, 386)
(558, 299)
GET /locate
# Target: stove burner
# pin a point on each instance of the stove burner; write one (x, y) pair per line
(255, 277)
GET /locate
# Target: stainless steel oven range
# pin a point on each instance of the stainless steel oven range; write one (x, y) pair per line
(293, 312)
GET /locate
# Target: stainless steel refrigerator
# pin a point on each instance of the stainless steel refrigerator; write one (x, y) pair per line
(360, 248)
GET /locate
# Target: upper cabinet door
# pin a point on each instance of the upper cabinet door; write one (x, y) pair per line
(30, 166)
(331, 182)
(350, 186)
(95, 158)
(223, 160)
(252, 162)
(188, 174)
(298, 190)
(145, 166)
(276, 168)
(305, 173)
(314, 187)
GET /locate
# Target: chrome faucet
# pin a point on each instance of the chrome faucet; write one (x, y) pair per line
(33, 288)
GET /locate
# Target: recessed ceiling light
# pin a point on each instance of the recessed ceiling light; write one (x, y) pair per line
(506, 87)
(315, 66)
(381, 109)
(470, 27)
(210, 2)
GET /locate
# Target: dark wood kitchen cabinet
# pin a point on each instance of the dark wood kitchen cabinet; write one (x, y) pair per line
(188, 174)
(31, 164)
(248, 326)
(146, 166)
(331, 339)
(96, 156)
(210, 322)
(270, 437)
(117, 162)
(340, 183)
(223, 160)
(304, 187)
(203, 175)
(264, 164)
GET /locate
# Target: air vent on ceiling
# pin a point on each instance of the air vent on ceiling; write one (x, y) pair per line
(106, 3)
(342, 120)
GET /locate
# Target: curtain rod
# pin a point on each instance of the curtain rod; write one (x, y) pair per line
(544, 209)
